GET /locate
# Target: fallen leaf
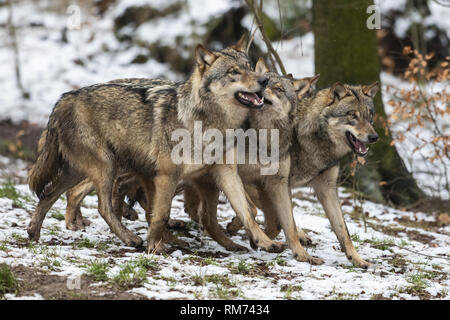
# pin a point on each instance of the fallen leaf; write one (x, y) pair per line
(444, 218)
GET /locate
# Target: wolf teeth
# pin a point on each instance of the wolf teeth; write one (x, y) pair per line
(241, 95)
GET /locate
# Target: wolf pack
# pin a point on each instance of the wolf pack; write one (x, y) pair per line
(115, 138)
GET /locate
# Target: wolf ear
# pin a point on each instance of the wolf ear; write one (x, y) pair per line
(302, 86)
(338, 91)
(313, 81)
(261, 66)
(241, 45)
(371, 90)
(203, 56)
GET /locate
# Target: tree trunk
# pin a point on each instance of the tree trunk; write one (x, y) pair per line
(346, 51)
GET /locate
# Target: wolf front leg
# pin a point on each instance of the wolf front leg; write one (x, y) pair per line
(325, 187)
(230, 183)
(253, 201)
(165, 185)
(277, 193)
(209, 198)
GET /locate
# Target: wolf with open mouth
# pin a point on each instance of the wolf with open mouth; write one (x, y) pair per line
(330, 123)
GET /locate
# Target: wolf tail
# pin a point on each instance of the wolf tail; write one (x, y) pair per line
(47, 166)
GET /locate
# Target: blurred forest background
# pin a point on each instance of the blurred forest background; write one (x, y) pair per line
(48, 47)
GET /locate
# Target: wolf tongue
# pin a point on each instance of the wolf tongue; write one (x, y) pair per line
(253, 97)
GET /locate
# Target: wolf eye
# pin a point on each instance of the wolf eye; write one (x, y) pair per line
(234, 71)
(352, 115)
(279, 89)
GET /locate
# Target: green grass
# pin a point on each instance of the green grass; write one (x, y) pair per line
(288, 290)
(134, 273)
(98, 270)
(3, 246)
(51, 264)
(84, 243)
(418, 285)
(224, 293)
(243, 267)
(58, 216)
(8, 190)
(385, 244)
(208, 261)
(8, 283)
(146, 263)
(217, 279)
(280, 261)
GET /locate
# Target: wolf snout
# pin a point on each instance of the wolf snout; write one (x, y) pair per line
(263, 80)
(372, 138)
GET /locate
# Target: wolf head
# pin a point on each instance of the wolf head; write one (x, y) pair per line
(281, 94)
(348, 116)
(227, 76)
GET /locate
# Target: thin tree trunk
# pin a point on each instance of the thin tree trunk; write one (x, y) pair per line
(12, 34)
(346, 51)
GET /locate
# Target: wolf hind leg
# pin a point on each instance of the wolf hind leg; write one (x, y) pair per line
(74, 219)
(103, 179)
(64, 182)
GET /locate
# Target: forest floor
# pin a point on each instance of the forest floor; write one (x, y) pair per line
(410, 251)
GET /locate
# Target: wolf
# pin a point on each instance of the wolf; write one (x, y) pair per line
(281, 97)
(330, 124)
(99, 131)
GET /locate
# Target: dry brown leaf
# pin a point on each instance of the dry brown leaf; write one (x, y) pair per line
(444, 218)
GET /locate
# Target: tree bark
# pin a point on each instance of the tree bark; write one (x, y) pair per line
(346, 51)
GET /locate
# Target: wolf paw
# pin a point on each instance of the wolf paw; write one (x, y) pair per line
(129, 213)
(360, 263)
(273, 246)
(132, 240)
(307, 258)
(176, 224)
(156, 247)
(304, 239)
(235, 247)
(315, 261)
(234, 226)
(79, 223)
(33, 234)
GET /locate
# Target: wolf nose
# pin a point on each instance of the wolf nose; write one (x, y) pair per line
(373, 138)
(263, 80)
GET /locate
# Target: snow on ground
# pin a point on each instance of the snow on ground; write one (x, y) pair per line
(411, 260)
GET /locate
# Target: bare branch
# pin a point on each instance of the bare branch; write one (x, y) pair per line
(258, 14)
